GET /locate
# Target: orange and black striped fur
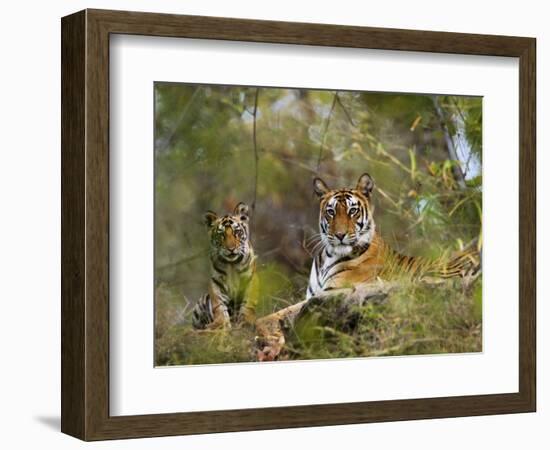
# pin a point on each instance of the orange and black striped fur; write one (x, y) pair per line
(233, 289)
(352, 252)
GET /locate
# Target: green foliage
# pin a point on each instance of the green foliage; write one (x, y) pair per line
(414, 320)
(182, 345)
(205, 159)
(276, 288)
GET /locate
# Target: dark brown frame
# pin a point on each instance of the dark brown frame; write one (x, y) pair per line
(85, 224)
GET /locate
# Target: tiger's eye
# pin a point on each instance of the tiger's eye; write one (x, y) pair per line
(353, 211)
(330, 212)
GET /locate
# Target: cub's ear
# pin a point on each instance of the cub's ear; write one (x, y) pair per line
(210, 217)
(320, 187)
(241, 210)
(365, 185)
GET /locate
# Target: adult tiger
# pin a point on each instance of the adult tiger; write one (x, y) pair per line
(351, 255)
(233, 289)
(353, 252)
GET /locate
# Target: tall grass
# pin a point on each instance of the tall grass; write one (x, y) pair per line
(414, 320)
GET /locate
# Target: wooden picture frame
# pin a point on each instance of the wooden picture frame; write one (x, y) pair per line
(85, 224)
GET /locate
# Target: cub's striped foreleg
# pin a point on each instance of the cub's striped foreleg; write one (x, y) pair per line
(211, 311)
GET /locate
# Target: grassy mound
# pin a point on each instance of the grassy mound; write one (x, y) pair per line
(413, 320)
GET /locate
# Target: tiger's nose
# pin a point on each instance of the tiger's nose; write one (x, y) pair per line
(340, 236)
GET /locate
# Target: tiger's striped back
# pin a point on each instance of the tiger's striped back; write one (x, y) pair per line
(466, 262)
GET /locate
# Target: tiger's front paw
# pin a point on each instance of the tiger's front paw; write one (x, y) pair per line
(269, 348)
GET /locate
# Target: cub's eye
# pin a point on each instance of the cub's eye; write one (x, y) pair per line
(330, 212)
(353, 211)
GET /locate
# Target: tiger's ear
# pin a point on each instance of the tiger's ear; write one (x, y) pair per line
(241, 210)
(320, 187)
(365, 185)
(210, 217)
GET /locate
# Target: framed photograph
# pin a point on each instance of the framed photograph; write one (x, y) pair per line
(270, 225)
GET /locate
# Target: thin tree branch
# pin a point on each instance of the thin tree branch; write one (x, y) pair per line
(346, 112)
(183, 260)
(323, 137)
(455, 103)
(255, 143)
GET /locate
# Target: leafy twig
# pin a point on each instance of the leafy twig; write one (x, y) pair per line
(323, 137)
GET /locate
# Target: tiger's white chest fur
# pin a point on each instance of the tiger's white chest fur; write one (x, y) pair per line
(320, 272)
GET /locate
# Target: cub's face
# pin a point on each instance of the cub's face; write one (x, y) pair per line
(345, 216)
(229, 234)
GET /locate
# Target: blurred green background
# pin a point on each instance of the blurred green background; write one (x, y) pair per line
(218, 145)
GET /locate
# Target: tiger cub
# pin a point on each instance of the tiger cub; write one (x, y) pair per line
(233, 289)
(353, 252)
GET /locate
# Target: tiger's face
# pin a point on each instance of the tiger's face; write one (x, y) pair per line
(229, 234)
(345, 216)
